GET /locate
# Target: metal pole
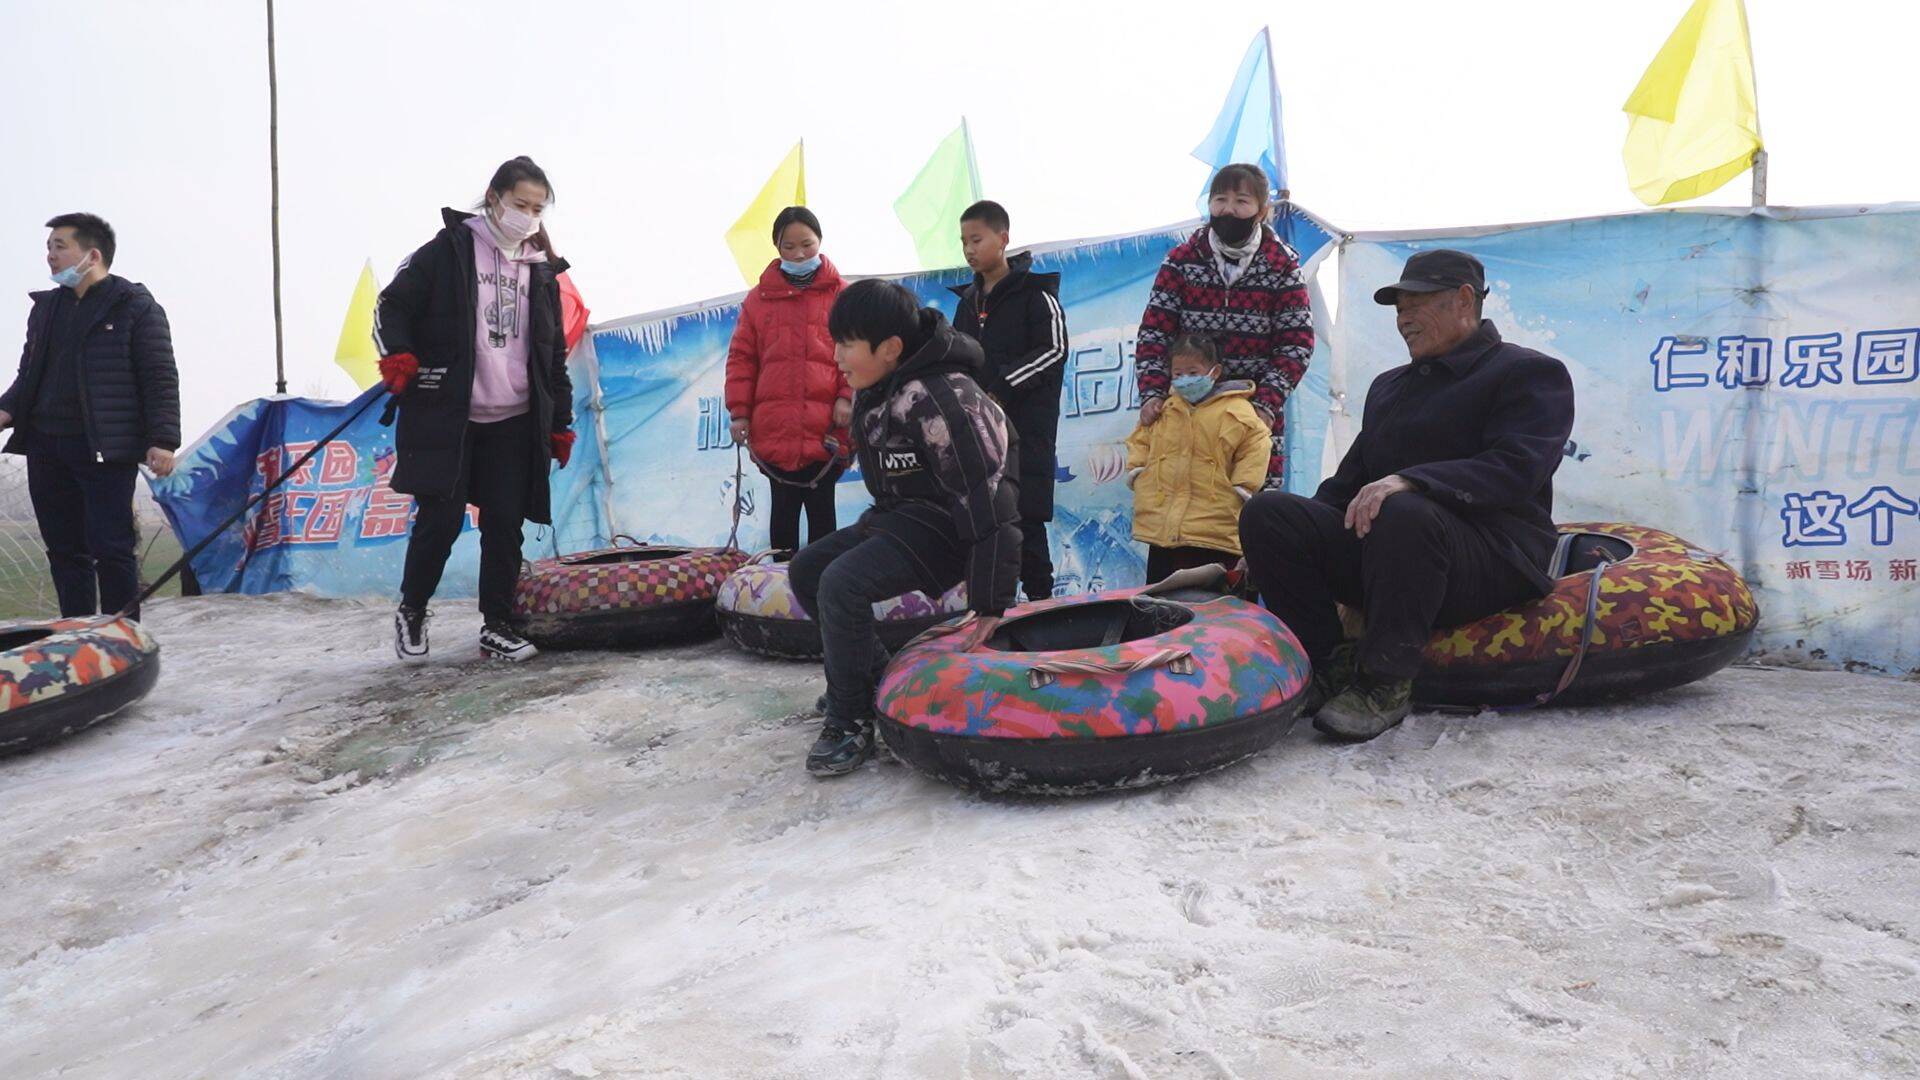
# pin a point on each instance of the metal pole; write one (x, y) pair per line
(273, 160)
(973, 167)
(1759, 165)
(1280, 181)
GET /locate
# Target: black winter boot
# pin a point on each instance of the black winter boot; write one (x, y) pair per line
(1330, 679)
(1370, 706)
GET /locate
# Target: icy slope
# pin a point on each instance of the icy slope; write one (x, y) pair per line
(299, 860)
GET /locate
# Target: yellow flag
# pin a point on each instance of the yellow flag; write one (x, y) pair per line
(1696, 121)
(355, 354)
(751, 238)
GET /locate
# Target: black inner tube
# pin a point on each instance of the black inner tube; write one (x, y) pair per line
(1588, 549)
(1088, 626)
(14, 639)
(608, 558)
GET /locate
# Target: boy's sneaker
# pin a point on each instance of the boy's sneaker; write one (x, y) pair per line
(499, 641)
(842, 747)
(1369, 707)
(410, 633)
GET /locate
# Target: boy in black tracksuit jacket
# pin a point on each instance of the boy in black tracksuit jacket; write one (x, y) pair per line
(1015, 315)
(940, 461)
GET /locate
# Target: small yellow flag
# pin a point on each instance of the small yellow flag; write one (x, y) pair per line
(1696, 121)
(751, 238)
(355, 354)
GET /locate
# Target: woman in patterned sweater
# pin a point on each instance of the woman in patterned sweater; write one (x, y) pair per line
(1235, 282)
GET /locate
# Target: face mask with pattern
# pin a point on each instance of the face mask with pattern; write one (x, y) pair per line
(1194, 388)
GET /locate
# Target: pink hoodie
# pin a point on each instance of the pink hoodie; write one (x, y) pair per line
(500, 333)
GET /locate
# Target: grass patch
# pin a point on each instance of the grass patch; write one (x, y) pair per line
(26, 592)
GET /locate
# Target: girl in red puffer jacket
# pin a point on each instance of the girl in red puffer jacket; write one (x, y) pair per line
(788, 401)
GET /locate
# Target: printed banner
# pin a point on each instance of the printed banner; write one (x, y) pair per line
(1750, 381)
(1745, 380)
(336, 527)
(674, 468)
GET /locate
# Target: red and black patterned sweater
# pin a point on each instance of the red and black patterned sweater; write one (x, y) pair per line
(1262, 324)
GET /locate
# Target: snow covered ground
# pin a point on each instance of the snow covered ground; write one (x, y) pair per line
(299, 860)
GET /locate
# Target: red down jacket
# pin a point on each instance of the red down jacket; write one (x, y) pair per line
(780, 373)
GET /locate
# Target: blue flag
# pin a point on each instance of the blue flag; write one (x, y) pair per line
(1248, 127)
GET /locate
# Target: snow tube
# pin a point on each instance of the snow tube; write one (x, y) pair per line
(759, 612)
(64, 676)
(1666, 614)
(1122, 689)
(622, 596)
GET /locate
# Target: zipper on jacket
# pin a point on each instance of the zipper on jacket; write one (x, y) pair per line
(470, 301)
(80, 374)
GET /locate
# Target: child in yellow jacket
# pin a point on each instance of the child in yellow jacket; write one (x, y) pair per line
(1191, 471)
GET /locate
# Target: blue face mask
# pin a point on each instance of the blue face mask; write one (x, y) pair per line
(797, 269)
(70, 277)
(1194, 388)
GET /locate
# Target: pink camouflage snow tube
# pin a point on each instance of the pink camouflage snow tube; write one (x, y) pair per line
(1120, 689)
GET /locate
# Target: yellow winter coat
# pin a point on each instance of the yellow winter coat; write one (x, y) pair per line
(1193, 459)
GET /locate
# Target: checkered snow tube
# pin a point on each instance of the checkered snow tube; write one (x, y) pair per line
(622, 596)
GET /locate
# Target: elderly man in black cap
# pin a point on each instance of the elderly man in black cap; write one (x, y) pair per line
(1441, 512)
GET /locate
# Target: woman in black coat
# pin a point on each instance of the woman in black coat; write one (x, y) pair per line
(472, 347)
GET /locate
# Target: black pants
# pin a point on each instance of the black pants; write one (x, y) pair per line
(1162, 561)
(496, 472)
(1420, 567)
(838, 579)
(85, 511)
(789, 498)
(1036, 560)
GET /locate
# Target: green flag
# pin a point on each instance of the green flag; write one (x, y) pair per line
(930, 208)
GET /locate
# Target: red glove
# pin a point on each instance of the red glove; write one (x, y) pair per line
(398, 370)
(562, 443)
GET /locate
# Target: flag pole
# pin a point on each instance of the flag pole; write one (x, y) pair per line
(1273, 88)
(273, 160)
(973, 167)
(1759, 166)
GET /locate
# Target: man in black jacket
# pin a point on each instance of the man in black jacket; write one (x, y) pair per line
(1015, 315)
(1441, 512)
(940, 463)
(97, 395)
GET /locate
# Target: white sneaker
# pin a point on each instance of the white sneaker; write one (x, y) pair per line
(499, 641)
(410, 634)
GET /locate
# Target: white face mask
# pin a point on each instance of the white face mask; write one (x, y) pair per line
(513, 225)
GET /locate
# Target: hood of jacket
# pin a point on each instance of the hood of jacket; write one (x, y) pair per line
(939, 349)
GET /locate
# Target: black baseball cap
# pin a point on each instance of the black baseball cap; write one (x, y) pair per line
(1435, 271)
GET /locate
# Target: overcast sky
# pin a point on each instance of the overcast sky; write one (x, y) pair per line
(658, 122)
